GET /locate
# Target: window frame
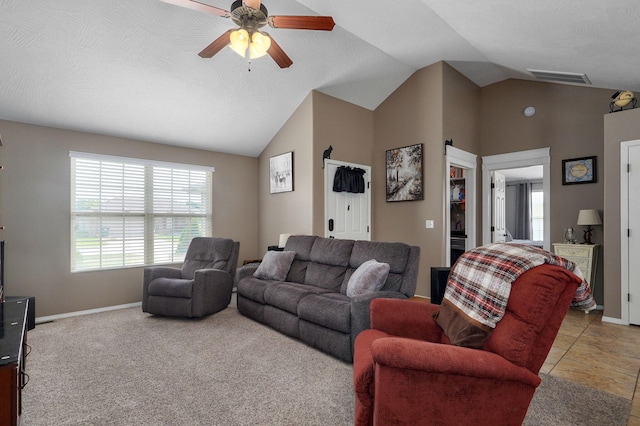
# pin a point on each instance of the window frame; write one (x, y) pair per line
(158, 177)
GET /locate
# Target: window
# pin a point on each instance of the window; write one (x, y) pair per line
(537, 215)
(129, 212)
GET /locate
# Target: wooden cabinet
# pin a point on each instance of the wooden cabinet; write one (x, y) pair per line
(13, 336)
(585, 256)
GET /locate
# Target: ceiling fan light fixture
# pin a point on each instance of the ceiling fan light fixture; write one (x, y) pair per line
(260, 44)
(239, 41)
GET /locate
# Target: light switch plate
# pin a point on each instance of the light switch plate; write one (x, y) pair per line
(430, 224)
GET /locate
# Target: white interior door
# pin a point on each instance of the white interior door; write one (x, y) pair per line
(498, 211)
(347, 215)
(633, 239)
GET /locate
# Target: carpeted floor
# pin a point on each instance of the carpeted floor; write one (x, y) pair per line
(129, 368)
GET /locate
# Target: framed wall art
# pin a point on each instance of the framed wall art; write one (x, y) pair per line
(404, 173)
(281, 173)
(579, 170)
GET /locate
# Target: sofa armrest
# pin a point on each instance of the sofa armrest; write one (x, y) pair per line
(406, 318)
(360, 311)
(437, 358)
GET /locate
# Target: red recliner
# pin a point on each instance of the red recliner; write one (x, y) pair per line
(407, 372)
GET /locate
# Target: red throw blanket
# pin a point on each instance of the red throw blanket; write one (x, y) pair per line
(480, 282)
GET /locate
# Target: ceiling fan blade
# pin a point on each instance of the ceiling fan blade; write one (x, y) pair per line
(216, 46)
(252, 3)
(196, 5)
(323, 23)
(278, 55)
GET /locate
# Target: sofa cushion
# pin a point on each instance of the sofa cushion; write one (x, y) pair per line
(286, 296)
(329, 259)
(253, 288)
(301, 245)
(275, 265)
(395, 254)
(369, 277)
(330, 310)
(325, 276)
(332, 251)
(171, 287)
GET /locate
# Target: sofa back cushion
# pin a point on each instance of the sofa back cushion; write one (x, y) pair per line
(395, 254)
(328, 264)
(301, 245)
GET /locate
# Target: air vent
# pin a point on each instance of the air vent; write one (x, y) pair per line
(560, 77)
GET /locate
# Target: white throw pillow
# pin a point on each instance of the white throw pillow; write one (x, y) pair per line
(275, 265)
(369, 277)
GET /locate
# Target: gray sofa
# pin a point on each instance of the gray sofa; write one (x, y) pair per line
(312, 305)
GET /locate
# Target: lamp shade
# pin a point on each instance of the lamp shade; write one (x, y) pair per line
(283, 240)
(259, 46)
(239, 41)
(589, 217)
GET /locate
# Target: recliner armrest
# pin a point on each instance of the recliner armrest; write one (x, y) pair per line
(153, 272)
(406, 318)
(410, 354)
(206, 276)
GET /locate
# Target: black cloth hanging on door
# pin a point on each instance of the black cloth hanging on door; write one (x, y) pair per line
(349, 179)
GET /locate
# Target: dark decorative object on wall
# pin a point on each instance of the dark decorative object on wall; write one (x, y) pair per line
(326, 154)
(579, 170)
(281, 173)
(404, 173)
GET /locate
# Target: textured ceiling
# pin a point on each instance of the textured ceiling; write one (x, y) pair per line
(130, 68)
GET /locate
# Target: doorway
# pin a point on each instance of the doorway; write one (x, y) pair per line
(460, 190)
(520, 159)
(629, 224)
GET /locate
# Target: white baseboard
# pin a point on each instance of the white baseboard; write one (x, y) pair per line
(40, 320)
(614, 320)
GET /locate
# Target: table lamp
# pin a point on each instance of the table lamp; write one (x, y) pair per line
(588, 218)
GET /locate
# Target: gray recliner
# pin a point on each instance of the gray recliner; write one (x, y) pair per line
(201, 287)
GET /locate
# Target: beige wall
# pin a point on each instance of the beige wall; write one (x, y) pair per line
(413, 114)
(618, 127)
(35, 192)
(461, 124)
(288, 212)
(569, 120)
(348, 128)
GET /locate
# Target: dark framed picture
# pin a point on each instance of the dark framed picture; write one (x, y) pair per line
(579, 170)
(404, 173)
(281, 173)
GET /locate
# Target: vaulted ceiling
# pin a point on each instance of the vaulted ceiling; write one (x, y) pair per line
(130, 68)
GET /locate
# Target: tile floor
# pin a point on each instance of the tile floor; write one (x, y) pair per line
(611, 352)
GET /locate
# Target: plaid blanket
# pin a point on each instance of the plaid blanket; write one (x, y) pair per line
(480, 282)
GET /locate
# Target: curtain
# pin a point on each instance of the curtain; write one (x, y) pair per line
(524, 224)
(348, 179)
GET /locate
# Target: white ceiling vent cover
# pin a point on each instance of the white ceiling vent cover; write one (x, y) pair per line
(560, 77)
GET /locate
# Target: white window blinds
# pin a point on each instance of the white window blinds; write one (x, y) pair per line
(127, 212)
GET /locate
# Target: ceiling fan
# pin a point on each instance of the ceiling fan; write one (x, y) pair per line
(251, 16)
